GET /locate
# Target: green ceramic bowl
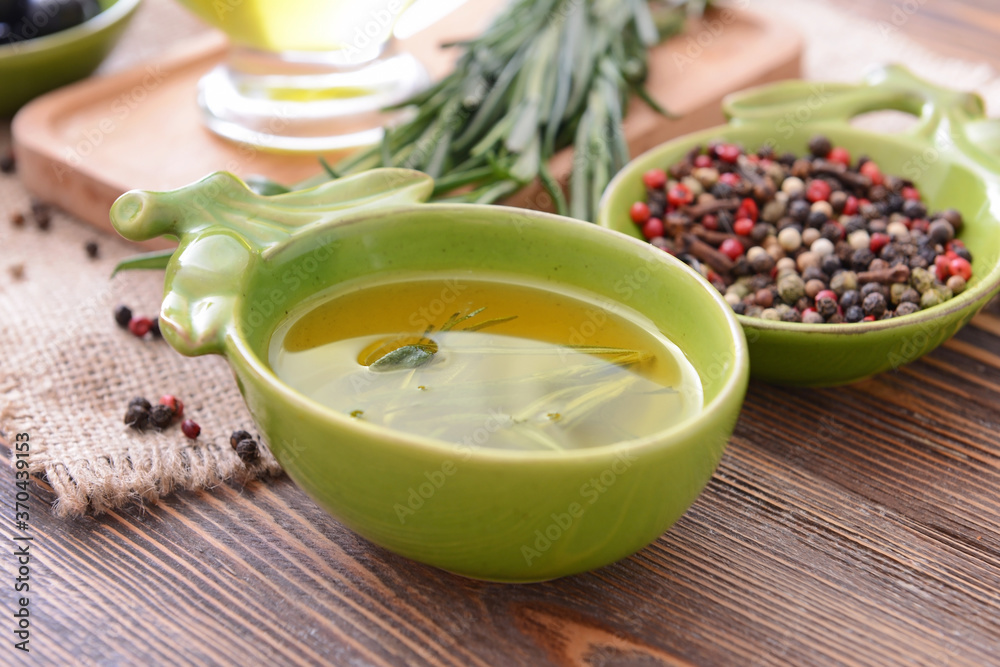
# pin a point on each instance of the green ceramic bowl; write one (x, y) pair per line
(951, 155)
(244, 260)
(35, 66)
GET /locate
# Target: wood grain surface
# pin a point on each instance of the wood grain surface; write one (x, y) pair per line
(849, 526)
(858, 525)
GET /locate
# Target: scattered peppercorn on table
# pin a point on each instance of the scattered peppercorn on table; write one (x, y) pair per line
(858, 525)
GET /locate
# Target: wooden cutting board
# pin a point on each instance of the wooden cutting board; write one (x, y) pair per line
(82, 146)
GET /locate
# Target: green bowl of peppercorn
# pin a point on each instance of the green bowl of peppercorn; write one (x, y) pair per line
(831, 284)
(50, 44)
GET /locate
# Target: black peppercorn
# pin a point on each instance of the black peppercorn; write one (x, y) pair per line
(791, 315)
(820, 146)
(154, 328)
(854, 314)
(799, 210)
(741, 267)
(877, 226)
(914, 209)
(826, 306)
(246, 449)
(962, 252)
(870, 288)
(123, 315)
(762, 263)
(837, 200)
(861, 258)
(237, 436)
(740, 308)
(137, 416)
(160, 416)
(928, 253)
(92, 249)
(894, 203)
(906, 308)
(941, 231)
(874, 304)
(853, 224)
(815, 273)
(918, 262)
(877, 193)
(889, 252)
(893, 183)
(850, 298)
(43, 217)
(830, 264)
(7, 163)
(816, 219)
(954, 217)
(140, 402)
(831, 231)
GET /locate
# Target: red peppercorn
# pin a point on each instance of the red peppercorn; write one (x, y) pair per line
(710, 222)
(851, 205)
(174, 403)
(140, 326)
(679, 195)
(910, 193)
(869, 318)
(817, 190)
(652, 228)
(713, 277)
(728, 152)
(960, 267)
(839, 154)
(943, 267)
(743, 226)
(878, 241)
(826, 294)
(871, 170)
(747, 209)
(703, 161)
(730, 179)
(731, 248)
(655, 179)
(190, 428)
(920, 225)
(639, 212)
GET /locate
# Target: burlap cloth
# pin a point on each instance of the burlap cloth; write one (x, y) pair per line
(68, 371)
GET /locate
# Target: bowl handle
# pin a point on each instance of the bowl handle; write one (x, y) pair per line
(947, 120)
(225, 229)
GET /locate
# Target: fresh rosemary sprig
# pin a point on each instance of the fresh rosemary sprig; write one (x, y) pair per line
(544, 75)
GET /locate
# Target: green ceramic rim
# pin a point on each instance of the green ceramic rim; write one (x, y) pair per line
(118, 10)
(732, 389)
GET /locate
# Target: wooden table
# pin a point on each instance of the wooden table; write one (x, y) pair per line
(858, 525)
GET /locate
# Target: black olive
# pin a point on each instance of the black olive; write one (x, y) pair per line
(44, 17)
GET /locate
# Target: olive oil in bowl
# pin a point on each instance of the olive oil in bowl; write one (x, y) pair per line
(490, 361)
